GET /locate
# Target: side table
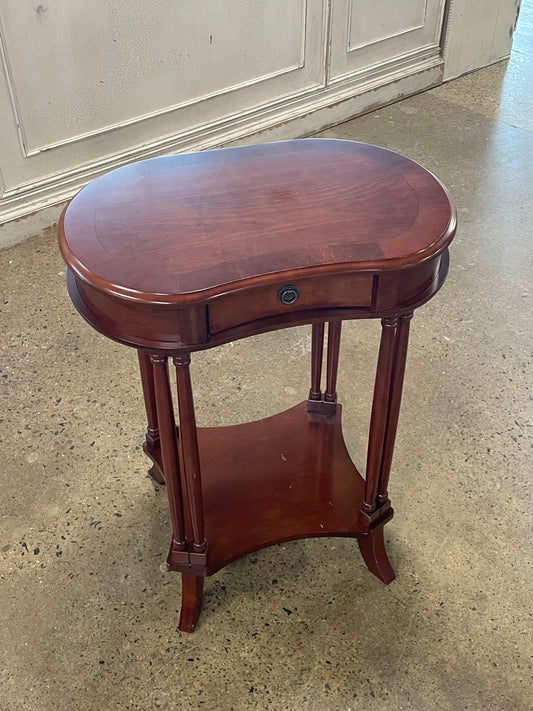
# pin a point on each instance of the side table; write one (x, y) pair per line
(177, 254)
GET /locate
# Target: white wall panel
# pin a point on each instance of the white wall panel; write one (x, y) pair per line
(368, 35)
(382, 19)
(89, 67)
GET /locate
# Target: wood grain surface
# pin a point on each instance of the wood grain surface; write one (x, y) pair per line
(187, 227)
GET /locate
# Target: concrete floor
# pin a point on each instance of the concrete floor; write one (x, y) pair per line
(88, 615)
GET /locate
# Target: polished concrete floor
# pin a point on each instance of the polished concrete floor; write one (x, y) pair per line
(88, 615)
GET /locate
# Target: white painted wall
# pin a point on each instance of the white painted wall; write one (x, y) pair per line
(86, 87)
(479, 33)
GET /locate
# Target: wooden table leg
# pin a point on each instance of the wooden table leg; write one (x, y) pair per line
(192, 588)
(374, 554)
(152, 443)
(317, 350)
(324, 403)
(380, 407)
(169, 449)
(395, 398)
(334, 342)
(383, 425)
(192, 585)
(189, 455)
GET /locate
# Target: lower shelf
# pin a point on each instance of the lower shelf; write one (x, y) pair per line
(282, 478)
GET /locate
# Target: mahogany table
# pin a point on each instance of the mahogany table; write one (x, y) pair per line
(182, 253)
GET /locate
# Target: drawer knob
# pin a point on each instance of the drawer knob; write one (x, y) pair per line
(288, 294)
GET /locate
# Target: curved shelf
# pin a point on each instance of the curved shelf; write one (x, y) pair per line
(296, 481)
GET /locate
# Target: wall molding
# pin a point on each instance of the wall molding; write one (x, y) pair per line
(160, 112)
(393, 67)
(4, 60)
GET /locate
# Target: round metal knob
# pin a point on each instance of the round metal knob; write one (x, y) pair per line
(288, 294)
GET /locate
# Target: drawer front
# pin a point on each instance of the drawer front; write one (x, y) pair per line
(295, 295)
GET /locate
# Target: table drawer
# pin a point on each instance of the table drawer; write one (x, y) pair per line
(295, 295)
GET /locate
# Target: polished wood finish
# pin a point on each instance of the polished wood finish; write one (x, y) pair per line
(192, 588)
(317, 354)
(372, 549)
(399, 358)
(380, 406)
(152, 442)
(183, 253)
(189, 455)
(169, 459)
(194, 248)
(334, 342)
(314, 489)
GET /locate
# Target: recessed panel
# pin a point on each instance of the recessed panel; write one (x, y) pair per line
(79, 68)
(374, 21)
(374, 38)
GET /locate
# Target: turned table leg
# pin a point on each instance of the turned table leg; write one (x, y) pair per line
(334, 344)
(169, 448)
(151, 444)
(383, 425)
(395, 398)
(192, 585)
(189, 454)
(324, 403)
(317, 350)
